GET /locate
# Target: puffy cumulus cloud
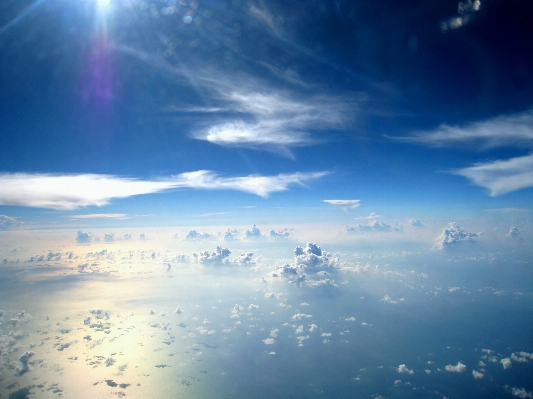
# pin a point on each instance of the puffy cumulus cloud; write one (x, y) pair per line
(313, 258)
(214, 258)
(501, 177)
(311, 266)
(513, 232)
(66, 192)
(127, 237)
(454, 234)
(254, 232)
(477, 375)
(83, 237)
(522, 393)
(9, 223)
(402, 369)
(231, 235)
(142, 237)
(194, 235)
(109, 237)
(344, 204)
(459, 368)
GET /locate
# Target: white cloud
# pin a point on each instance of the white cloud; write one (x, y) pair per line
(506, 363)
(273, 120)
(402, 369)
(501, 177)
(101, 216)
(194, 235)
(65, 192)
(514, 130)
(477, 375)
(267, 118)
(522, 393)
(254, 232)
(453, 234)
(312, 258)
(344, 204)
(459, 368)
(214, 258)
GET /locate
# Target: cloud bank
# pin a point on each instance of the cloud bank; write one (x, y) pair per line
(67, 192)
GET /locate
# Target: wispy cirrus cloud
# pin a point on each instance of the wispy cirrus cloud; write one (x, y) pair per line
(67, 192)
(250, 113)
(269, 119)
(511, 130)
(501, 177)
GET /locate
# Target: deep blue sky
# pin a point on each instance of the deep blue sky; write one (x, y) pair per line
(132, 89)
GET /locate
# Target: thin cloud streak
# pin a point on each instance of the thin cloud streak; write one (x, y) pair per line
(513, 130)
(101, 216)
(501, 177)
(68, 192)
(344, 204)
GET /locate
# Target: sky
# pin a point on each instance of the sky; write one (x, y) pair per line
(173, 110)
(266, 198)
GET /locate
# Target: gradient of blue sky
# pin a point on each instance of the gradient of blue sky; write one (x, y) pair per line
(402, 106)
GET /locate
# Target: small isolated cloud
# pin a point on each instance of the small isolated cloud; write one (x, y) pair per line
(402, 369)
(506, 363)
(522, 393)
(454, 234)
(477, 375)
(83, 237)
(513, 232)
(345, 204)
(459, 368)
(109, 237)
(9, 223)
(501, 177)
(101, 216)
(66, 192)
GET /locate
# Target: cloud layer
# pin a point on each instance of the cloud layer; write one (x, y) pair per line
(66, 192)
